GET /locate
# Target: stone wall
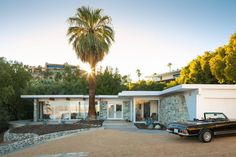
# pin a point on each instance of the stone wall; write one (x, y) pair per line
(173, 109)
(12, 137)
(126, 110)
(103, 110)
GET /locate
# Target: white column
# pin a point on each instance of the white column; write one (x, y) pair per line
(131, 112)
(98, 105)
(158, 108)
(70, 103)
(85, 109)
(40, 110)
(134, 110)
(35, 110)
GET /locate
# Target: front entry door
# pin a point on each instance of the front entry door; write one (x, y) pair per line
(115, 111)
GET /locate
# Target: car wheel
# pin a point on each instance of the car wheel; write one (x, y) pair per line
(205, 135)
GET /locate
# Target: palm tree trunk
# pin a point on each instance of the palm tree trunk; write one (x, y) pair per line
(92, 93)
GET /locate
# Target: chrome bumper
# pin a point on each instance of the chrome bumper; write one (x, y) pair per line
(178, 133)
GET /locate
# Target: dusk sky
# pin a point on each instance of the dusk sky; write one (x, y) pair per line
(148, 33)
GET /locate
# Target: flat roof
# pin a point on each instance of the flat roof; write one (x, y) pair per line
(175, 89)
(186, 87)
(139, 93)
(69, 96)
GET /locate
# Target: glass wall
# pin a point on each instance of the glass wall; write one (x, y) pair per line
(56, 111)
(66, 110)
(146, 109)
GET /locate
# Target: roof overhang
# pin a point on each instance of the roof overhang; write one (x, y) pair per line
(127, 94)
(139, 93)
(187, 87)
(68, 96)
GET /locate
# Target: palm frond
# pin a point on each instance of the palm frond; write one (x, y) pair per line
(90, 34)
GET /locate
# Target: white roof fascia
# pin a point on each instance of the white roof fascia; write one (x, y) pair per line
(68, 96)
(138, 93)
(210, 86)
(186, 87)
(52, 96)
(178, 88)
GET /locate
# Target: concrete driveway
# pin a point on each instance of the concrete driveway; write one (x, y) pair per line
(128, 127)
(112, 142)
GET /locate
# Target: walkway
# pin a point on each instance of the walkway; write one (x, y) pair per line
(128, 126)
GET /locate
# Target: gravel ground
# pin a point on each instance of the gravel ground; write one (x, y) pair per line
(112, 143)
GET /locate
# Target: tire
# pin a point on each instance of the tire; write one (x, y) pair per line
(205, 135)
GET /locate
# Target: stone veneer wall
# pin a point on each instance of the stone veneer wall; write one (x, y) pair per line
(126, 110)
(173, 109)
(103, 110)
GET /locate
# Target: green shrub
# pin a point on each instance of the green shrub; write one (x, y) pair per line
(4, 119)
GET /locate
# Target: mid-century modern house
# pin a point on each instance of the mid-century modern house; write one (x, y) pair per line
(179, 103)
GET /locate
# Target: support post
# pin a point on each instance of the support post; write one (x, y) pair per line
(99, 109)
(35, 110)
(134, 110)
(131, 112)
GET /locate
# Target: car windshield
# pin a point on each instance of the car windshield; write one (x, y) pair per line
(215, 116)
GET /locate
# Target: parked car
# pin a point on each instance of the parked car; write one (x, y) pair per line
(214, 123)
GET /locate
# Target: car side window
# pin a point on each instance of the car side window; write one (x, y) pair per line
(215, 116)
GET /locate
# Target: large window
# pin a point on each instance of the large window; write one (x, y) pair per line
(75, 110)
(65, 110)
(146, 109)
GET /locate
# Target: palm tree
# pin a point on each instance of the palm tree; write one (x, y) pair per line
(91, 36)
(169, 65)
(138, 72)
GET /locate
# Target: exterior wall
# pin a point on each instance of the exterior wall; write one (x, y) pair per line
(167, 77)
(217, 100)
(103, 110)
(191, 100)
(126, 110)
(173, 108)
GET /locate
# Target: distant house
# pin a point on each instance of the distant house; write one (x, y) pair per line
(179, 103)
(165, 77)
(58, 67)
(50, 69)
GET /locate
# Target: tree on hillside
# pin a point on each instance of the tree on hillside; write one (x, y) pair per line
(217, 65)
(110, 82)
(91, 36)
(67, 81)
(212, 67)
(148, 85)
(198, 71)
(14, 79)
(223, 63)
(230, 59)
